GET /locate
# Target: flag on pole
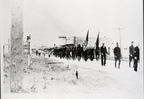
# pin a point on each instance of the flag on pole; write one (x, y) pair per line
(86, 41)
(97, 41)
(87, 36)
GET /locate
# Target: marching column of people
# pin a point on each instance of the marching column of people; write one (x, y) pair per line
(81, 52)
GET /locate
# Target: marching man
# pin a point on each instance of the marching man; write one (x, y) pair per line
(117, 55)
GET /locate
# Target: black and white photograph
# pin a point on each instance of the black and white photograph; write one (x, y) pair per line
(71, 49)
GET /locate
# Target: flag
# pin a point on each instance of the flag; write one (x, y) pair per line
(86, 41)
(87, 36)
(97, 41)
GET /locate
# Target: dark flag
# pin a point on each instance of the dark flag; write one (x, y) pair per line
(86, 41)
(97, 47)
(97, 41)
(87, 36)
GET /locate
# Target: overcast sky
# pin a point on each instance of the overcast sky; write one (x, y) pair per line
(45, 20)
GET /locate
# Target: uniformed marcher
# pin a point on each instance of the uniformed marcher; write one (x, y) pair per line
(85, 54)
(37, 52)
(79, 52)
(103, 54)
(136, 58)
(117, 55)
(73, 53)
(131, 53)
(92, 54)
(97, 53)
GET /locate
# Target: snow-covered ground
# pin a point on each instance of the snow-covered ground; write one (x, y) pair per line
(54, 75)
(108, 79)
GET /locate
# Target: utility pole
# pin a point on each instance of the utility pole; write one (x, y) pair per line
(119, 34)
(74, 41)
(119, 29)
(16, 52)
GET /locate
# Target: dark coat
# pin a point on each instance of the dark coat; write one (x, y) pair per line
(79, 50)
(117, 52)
(103, 50)
(136, 53)
(131, 50)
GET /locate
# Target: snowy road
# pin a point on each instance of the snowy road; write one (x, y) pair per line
(108, 79)
(54, 75)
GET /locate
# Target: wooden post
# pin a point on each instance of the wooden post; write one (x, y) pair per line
(16, 46)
